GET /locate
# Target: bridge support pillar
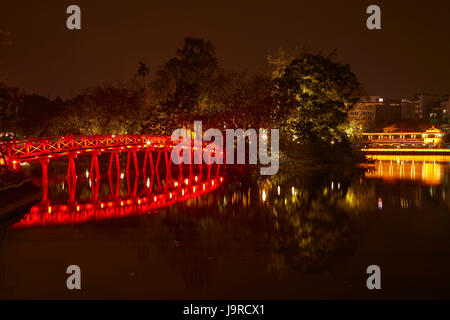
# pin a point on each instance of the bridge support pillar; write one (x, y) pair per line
(114, 155)
(218, 170)
(135, 161)
(72, 178)
(44, 164)
(71, 170)
(148, 154)
(168, 169)
(94, 166)
(158, 178)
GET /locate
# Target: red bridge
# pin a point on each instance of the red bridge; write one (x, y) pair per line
(16, 151)
(153, 147)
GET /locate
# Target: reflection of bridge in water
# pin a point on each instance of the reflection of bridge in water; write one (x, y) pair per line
(162, 185)
(428, 170)
(72, 212)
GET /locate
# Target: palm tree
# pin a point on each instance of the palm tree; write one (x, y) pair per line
(143, 71)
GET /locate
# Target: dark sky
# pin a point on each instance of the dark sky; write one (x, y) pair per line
(410, 54)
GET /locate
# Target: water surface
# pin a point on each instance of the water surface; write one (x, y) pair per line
(309, 235)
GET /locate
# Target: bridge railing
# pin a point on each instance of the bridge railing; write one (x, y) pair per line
(28, 148)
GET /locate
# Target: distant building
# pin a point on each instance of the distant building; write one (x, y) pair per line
(421, 107)
(444, 109)
(407, 109)
(392, 138)
(389, 112)
(364, 112)
(373, 110)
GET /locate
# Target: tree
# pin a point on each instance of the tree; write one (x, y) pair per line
(318, 93)
(143, 71)
(101, 110)
(239, 100)
(184, 81)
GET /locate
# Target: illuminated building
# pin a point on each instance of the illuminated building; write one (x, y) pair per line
(429, 138)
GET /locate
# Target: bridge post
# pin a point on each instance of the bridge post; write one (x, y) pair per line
(127, 170)
(111, 188)
(94, 166)
(117, 163)
(144, 169)
(150, 158)
(218, 169)
(209, 166)
(116, 195)
(128, 183)
(168, 170)
(72, 178)
(44, 164)
(95, 187)
(191, 172)
(136, 164)
(71, 170)
(135, 161)
(180, 173)
(158, 178)
(135, 188)
(114, 155)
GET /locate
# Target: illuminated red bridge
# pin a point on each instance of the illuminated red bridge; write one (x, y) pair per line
(34, 149)
(164, 183)
(44, 149)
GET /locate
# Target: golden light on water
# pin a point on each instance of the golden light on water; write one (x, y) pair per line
(425, 168)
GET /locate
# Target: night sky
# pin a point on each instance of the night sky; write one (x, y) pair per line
(411, 53)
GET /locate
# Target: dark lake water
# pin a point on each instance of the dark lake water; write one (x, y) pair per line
(299, 236)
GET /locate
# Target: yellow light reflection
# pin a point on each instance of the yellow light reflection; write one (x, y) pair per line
(425, 168)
